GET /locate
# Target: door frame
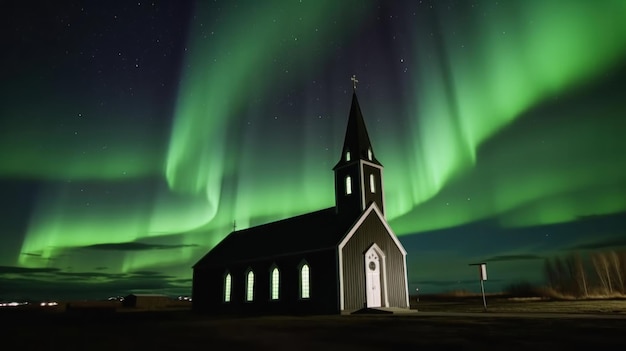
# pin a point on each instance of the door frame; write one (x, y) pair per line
(384, 301)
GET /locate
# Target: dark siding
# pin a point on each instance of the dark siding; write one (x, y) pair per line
(209, 284)
(348, 205)
(372, 231)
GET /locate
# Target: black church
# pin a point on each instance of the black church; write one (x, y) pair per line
(335, 260)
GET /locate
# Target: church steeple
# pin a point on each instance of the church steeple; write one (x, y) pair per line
(356, 144)
(358, 174)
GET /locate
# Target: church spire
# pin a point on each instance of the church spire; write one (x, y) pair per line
(358, 174)
(356, 144)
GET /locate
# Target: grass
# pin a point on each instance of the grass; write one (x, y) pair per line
(500, 303)
(181, 329)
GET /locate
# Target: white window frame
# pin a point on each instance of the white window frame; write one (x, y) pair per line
(228, 285)
(250, 285)
(305, 281)
(274, 283)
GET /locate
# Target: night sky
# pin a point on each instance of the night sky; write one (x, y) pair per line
(134, 134)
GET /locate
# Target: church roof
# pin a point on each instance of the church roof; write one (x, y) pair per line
(313, 231)
(357, 141)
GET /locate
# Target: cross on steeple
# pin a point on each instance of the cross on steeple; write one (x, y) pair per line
(354, 81)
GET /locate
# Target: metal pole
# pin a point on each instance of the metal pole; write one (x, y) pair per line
(482, 289)
(482, 276)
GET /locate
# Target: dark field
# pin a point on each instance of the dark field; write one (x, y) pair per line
(438, 325)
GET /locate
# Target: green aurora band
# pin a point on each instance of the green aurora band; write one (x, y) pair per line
(476, 80)
(221, 70)
(473, 89)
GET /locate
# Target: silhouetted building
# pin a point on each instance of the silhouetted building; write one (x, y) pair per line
(146, 301)
(334, 260)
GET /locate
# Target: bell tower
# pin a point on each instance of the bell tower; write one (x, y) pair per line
(358, 174)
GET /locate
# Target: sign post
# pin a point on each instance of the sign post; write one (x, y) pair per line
(482, 272)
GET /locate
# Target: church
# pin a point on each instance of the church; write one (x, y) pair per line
(340, 259)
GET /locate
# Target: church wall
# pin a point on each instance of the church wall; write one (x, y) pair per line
(348, 204)
(208, 286)
(372, 231)
(377, 196)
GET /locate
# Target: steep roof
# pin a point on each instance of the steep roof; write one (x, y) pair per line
(313, 231)
(357, 141)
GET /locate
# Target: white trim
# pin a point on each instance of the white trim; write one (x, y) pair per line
(228, 287)
(370, 163)
(382, 194)
(362, 188)
(340, 249)
(271, 271)
(372, 207)
(406, 283)
(341, 303)
(380, 253)
(382, 182)
(348, 236)
(301, 265)
(249, 293)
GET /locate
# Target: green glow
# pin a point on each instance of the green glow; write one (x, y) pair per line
(227, 70)
(480, 141)
(471, 89)
(34, 144)
(212, 179)
(552, 174)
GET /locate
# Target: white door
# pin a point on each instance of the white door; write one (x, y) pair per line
(372, 278)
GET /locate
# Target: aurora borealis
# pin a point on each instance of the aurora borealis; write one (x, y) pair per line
(134, 135)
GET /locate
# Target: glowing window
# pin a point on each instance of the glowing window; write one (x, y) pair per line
(372, 183)
(304, 281)
(369, 154)
(227, 286)
(275, 283)
(348, 185)
(250, 286)
(347, 155)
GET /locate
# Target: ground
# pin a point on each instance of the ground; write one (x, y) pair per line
(461, 324)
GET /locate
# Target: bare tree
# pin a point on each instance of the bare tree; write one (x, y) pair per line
(622, 261)
(562, 274)
(578, 275)
(601, 265)
(551, 275)
(548, 270)
(614, 262)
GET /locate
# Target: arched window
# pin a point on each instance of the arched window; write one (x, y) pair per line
(227, 287)
(348, 185)
(372, 183)
(347, 156)
(369, 154)
(250, 286)
(305, 282)
(275, 284)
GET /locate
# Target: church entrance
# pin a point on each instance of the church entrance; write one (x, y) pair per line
(372, 278)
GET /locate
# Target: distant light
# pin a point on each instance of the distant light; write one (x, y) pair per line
(12, 304)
